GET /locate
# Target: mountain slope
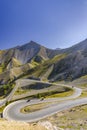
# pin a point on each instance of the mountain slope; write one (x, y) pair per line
(14, 60)
(36, 60)
(26, 53)
(72, 66)
(69, 64)
(75, 48)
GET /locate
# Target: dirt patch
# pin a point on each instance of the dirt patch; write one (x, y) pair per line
(72, 119)
(12, 125)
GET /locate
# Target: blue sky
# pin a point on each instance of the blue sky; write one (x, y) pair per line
(52, 23)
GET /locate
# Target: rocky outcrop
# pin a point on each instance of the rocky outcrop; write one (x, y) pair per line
(25, 53)
(49, 126)
(70, 66)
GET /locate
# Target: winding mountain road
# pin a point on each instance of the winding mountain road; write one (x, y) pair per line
(25, 82)
(9, 97)
(12, 111)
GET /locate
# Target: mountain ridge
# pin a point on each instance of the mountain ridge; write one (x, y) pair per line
(26, 52)
(67, 63)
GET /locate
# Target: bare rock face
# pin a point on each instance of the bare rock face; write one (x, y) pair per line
(73, 65)
(70, 67)
(49, 126)
(22, 53)
(25, 53)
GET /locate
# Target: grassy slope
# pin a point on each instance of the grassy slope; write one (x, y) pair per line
(15, 62)
(7, 125)
(63, 94)
(1, 69)
(72, 119)
(37, 69)
(1, 66)
(33, 108)
(52, 94)
(81, 82)
(41, 69)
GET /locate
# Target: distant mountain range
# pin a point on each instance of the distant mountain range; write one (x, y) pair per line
(39, 61)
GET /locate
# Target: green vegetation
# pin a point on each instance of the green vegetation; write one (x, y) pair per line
(21, 91)
(5, 89)
(55, 93)
(33, 108)
(38, 59)
(83, 85)
(84, 77)
(33, 63)
(7, 103)
(81, 82)
(2, 68)
(48, 93)
(2, 108)
(56, 58)
(51, 94)
(39, 95)
(45, 66)
(38, 70)
(64, 94)
(15, 62)
(84, 93)
(44, 93)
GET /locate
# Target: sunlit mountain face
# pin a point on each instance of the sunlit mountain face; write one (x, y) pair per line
(69, 63)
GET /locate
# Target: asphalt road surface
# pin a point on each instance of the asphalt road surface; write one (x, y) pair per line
(12, 111)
